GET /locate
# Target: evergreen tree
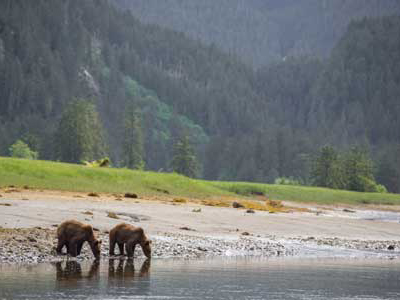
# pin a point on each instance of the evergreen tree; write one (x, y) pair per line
(133, 140)
(80, 135)
(262, 125)
(184, 159)
(326, 170)
(32, 141)
(358, 170)
(388, 169)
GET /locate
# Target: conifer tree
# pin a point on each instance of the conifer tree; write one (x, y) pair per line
(80, 135)
(388, 169)
(358, 170)
(184, 160)
(327, 169)
(133, 140)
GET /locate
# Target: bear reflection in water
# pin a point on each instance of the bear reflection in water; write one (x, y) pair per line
(70, 273)
(125, 269)
(123, 276)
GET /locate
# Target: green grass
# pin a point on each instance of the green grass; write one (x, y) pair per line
(72, 177)
(309, 194)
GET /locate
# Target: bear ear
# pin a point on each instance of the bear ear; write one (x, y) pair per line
(100, 241)
(149, 241)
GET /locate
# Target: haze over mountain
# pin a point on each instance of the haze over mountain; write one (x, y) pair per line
(261, 31)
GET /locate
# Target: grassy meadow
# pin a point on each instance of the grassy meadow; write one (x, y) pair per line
(79, 178)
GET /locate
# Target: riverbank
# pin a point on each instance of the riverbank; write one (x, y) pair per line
(28, 220)
(37, 245)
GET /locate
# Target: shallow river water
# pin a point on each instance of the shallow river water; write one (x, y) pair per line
(222, 278)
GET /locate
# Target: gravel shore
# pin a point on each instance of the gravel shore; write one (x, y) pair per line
(383, 247)
(37, 245)
(28, 221)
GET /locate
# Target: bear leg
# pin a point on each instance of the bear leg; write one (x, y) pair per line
(130, 248)
(121, 248)
(60, 245)
(112, 246)
(79, 247)
(73, 247)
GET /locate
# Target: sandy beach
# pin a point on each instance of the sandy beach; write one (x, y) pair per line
(28, 219)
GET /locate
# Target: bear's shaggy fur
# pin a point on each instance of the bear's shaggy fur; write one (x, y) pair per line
(130, 236)
(72, 234)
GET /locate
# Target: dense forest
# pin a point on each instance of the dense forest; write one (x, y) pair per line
(262, 31)
(141, 93)
(108, 57)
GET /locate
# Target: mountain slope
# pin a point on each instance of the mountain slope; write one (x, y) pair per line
(350, 98)
(246, 125)
(359, 89)
(261, 31)
(94, 53)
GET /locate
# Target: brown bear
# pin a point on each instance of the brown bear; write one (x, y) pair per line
(72, 234)
(130, 236)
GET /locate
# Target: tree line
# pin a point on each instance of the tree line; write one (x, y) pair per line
(150, 93)
(351, 170)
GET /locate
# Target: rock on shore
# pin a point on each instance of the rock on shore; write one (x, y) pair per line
(38, 245)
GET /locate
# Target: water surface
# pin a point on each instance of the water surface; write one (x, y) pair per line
(222, 278)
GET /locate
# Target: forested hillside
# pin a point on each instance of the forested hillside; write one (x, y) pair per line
(351, 98)
(53, 52)
(139, 92)
(261, 31)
